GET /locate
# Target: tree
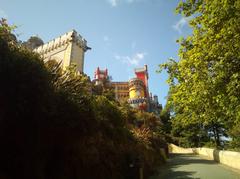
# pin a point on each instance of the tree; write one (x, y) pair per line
(104, 88)
(25, 97)
(204, 82)
(33, 42)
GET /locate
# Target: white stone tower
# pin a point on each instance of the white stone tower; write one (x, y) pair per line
(68, 49)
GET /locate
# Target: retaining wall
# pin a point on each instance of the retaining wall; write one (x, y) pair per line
(179, 150)
(229, 158)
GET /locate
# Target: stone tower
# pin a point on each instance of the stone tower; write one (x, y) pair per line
(68, 49)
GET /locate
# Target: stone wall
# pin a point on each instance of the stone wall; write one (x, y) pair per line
(179, 150)
(229, 158)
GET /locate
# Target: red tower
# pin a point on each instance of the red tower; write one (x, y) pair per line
(100, 76)
(142, 73)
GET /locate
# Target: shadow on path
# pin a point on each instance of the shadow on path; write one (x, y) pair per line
(176, 160)
(183, 166)
(185, 159)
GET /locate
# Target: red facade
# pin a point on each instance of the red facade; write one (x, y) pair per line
(142, 73)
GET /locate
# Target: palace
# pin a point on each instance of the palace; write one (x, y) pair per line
(135, 91)
(70, 48)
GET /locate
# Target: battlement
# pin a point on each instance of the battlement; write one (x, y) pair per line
(143, 69)
(61, 41)
(68, 49)
(136, 82)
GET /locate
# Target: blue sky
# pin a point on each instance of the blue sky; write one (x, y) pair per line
(123, 34)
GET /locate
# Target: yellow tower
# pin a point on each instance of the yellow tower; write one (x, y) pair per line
(137, 94)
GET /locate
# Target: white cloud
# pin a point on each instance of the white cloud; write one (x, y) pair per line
(130, 1)
(134, 60)
(181, 23)
(3, 14)
(106, 38)
(113, 3)
(107, 42)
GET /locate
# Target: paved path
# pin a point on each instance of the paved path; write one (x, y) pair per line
(183, 166)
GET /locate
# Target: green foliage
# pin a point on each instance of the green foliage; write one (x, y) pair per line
(5, 32)
(204, 83)
(54, 126)
(33, 42)
(166, 119)
(104, 88)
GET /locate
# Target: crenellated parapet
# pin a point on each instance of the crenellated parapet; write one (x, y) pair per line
(62, 41)
(68, 49)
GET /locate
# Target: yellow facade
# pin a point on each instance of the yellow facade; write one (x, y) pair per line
(136, 93)
(121, 90)
(137, 98)
(136, 89)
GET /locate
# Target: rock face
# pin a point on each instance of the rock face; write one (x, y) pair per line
(68, 49)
